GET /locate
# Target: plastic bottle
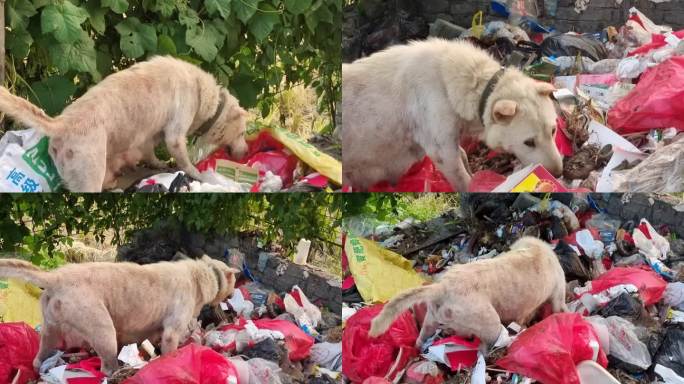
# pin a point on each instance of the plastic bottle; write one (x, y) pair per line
(302, 252)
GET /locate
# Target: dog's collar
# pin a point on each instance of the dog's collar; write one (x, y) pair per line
(204, 128)
(488, 91)
(217, 273)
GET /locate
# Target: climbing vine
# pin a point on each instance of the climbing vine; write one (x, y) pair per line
(56, 49)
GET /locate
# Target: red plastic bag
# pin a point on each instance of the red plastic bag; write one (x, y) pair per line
(92, 366)
(549, 350)
(423, 176)
(192, 364)
(278, 162)
(297, 342)
(650, 285)
(657, 41)
(269, 153)
(654, 103)
(485, 181)
(364, 357)
(18, 346)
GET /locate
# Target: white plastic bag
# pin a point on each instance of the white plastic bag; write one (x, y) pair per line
(25, 165)
(624, 344)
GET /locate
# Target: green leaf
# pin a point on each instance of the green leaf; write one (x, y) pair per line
(78, 56)
(165, 7)
(41, 3)
(297, 7)
(104, 60)
(220, 6)
(245, 90)
(245, 9)
(188, 17)
(118, 6)
(19, 12)
(262, 24)
(53, 93)
(166, 46)
(204, 41)
(63, 21)
(19, 42)
(97, 17)
(136, 37)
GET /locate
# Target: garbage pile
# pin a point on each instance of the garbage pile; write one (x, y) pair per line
(625, 295)
(256, 337)
(619, 120)
(277, 160)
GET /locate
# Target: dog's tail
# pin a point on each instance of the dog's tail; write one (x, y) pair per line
(396, 307)
(26, 113)
(26, 271)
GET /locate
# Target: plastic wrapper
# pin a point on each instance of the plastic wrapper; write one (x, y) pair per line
(25, 164)
(624, 345)
(423, 176)
(364, 357)
(572, 45)
(297, 342)
(191, 364)
(18, 346)
(671, 352)
(650, 286)
(662, 171)
(654, 102)
(20, 301)
(380, 274)
(549, 350)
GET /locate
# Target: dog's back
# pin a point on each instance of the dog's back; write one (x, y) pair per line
(384, 99)
(516, 282)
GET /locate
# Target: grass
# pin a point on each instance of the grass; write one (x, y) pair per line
(425, 206)
(296, 110)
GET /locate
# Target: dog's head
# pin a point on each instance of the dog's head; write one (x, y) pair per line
(229, 130)
(225, 276)
(522, 121)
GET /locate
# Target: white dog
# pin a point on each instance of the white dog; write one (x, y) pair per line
(413, 100)
(474, 299)
(120, 121)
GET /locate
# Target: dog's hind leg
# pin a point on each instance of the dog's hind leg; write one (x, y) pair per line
(96, 328)
(428, 328)
(50, 338)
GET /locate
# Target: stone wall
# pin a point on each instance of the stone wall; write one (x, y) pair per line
(376, 24)
(161, 243)
(657, 209)
(282, 275)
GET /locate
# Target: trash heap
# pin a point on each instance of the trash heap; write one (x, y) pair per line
(625, 293)
(256, 337)
(277, 160)
(619, 122)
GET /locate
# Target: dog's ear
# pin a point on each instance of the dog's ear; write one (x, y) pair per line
(234, 271)
(545, 89)
(504, 110)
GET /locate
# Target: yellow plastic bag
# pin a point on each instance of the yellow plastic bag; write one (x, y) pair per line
(379, 274)
(477, 26)
(19, 301)
(323, 163)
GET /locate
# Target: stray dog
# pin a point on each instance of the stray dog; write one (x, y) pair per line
(105, 305)
(119, 122)
(409, 101)
(474, 299)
